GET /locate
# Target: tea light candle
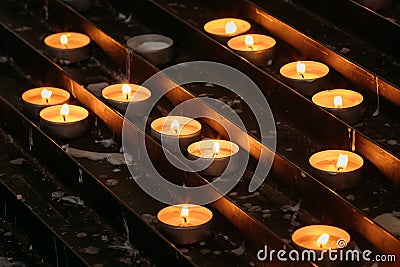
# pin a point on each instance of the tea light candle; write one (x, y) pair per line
(339, 169)
(320, 237)
(185, 223)
(64, 121)
(34, 100)
(174, 130)
(226, 27)
(221, 152)
(121, 95)
(305, 76)
(155, 48)
(257, 48)
(345, 104)
(67, 47)
(80, 5)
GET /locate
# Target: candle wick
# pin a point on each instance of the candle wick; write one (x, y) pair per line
(65, 119)
(176, 130)
(47, 100)
(127, 96)
(250, 47)
(184, 220)
(302, 75)
(340, 168)
(320, 245)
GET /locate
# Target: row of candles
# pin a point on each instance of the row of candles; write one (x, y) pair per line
(337, 168)
(306, 76)
(341, 168)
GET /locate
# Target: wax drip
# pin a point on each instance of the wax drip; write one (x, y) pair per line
(55, 249)
(353, 143)
(46, 10)
(128, 242)
(128, 68)
(30, 137)
(376, 112)
(80, 178)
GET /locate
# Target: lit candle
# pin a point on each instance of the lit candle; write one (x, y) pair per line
(67, 47)
(174, 130)
(121, 95)
(257, 48)
(34, 100)
(320, 237)
(339, 169)
(345, 104)
(226, 27)
(64, 121)
(155, 48)
(185, 223)
(220, 152)
(80, 5)
(306, 76)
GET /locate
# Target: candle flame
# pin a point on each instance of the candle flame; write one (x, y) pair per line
(249, 40)
(323, 239)
(64, 110)
(216, 148)
(46, 94)
(175, 126)
(230, 27)
(342, 161)
(185, 213)
(64, 40)
(301, 68)
(337, 101)
(126, 90)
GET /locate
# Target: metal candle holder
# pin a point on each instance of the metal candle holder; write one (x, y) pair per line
(155, 48)
(189, 132)
(197, 228)
(76, 50)
(351, 109)
(138, 97)
(314, 78)
(228, 154)
(75, 125)
(324, 167)
(258, 53)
